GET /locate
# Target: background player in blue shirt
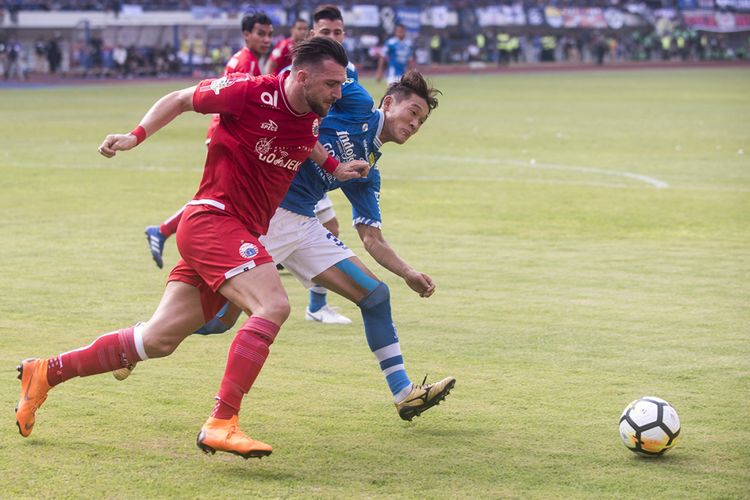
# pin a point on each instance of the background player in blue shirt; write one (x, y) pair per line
(398, 55)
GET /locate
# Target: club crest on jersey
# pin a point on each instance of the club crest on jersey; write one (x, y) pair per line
(316, 127)
(365, 127)
(248, 250)
(270, 125)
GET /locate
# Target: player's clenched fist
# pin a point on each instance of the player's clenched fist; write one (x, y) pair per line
(352, 170)
(117, 142)
(420, 283)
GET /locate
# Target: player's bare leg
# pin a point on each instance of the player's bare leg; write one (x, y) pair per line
(176, 317)
(350, 278)
(260, 294)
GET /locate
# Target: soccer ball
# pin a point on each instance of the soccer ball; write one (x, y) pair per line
(649, 426)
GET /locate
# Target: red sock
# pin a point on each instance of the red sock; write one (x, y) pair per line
(169, 226)
(247, 354)
(108, 352)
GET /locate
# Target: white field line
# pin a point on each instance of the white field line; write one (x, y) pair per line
(428, 178)
(658, 184)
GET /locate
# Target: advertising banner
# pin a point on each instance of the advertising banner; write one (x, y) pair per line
(724, 22)
(501, 15)
(362, 16)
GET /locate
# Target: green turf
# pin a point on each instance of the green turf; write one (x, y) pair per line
(567, 286)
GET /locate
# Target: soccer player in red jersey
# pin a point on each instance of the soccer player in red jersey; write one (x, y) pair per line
(248, 170)
(281, 55)
(257, 30)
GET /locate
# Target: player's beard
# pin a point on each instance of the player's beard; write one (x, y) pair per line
(319, 108)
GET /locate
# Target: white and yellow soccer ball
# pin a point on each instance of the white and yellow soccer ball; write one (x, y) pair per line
(649, 426)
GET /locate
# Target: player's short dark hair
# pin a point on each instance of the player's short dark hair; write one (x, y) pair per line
(299, 20)
(250, 20)
(329, 12)
(411, 83)
(314, 51)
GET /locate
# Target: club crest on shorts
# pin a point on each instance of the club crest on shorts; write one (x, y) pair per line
(248, 250)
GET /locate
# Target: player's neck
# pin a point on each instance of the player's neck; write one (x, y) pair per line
(256, 55)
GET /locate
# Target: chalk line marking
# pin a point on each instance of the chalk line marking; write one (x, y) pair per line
(652, 181)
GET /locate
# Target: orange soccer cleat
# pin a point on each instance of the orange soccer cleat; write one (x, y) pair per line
(225, 435)
(34, 388)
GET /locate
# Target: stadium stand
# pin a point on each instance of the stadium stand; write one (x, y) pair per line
(110, 38)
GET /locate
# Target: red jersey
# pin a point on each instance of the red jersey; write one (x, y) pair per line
(257, 148)
(282, 54)
(243, 61)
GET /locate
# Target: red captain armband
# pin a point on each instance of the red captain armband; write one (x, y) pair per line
(139, 133)
(330, 164)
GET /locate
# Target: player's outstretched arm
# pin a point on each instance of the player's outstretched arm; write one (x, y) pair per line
(381, 251)
(382, 60)
(161, 113)
(341, 171)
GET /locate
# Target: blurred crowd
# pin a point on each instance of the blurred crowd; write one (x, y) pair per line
(99, 55)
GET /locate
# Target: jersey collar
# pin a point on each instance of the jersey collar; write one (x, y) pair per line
(283, 75)
(381, 120)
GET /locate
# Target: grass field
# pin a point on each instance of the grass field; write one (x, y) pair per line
(590, 238)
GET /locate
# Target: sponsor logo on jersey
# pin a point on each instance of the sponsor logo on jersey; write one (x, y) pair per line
(275, 156)
(345, 145)
(316, 127)
(263, 146)
(270, 99)
(248, 250)
(221, 83)
(270, 125)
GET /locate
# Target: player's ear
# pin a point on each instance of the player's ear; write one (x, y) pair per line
(387, 102)
(302, 76)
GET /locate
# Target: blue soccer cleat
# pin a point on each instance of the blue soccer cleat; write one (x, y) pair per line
(156, 244)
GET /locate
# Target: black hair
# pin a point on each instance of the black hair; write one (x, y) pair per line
(250, 20)
(300, 20)
(329, 12)
(411, 83)
(314, 51)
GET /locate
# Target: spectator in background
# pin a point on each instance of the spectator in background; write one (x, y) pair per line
(54, 55)
(40, 56)
(13, 65)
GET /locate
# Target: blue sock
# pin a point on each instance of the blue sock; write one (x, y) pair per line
(383, 339)
(317, 298)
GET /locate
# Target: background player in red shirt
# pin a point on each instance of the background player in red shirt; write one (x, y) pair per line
(281, 55)
(248, 170)
(257, 30)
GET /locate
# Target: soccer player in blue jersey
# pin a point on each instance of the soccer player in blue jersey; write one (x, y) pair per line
(313, 255)
(298, 240)
(398, 56)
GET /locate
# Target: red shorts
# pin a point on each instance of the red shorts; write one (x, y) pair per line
(214, 247)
